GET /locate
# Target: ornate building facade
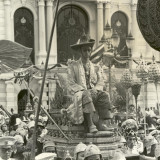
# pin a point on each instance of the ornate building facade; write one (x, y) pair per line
(29, 23)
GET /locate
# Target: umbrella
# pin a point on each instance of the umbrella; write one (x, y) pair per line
(12, 55)
(148, 21)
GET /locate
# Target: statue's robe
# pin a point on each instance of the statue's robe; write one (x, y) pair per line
(86, 92)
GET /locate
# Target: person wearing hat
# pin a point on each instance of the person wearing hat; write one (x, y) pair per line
(7, 119)
(6, 147)
(49, 147)
(155, 133)
(79, 151)
(39, 140)
(2, 118)
(149, 146)
(92, 152)
(158, 124)
(20, 148)
(134, 145)
(40, 137)
(86, 84)
(19, 124)
(151, 128)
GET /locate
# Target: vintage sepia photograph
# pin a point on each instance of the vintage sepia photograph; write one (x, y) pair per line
(79, 80)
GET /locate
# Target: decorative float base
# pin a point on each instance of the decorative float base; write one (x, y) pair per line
(107, 141)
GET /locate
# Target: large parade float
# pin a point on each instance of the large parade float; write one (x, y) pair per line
(61, 129)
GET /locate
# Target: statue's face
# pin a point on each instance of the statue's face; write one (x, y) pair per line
(86, 52)
(5, 153)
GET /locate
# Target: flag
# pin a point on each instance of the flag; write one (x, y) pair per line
(97, 54)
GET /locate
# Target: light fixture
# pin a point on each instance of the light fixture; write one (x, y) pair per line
(129, 40)
(115, 39)
(42, 69)
(108, 31)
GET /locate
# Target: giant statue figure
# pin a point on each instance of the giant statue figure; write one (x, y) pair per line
(86, 86)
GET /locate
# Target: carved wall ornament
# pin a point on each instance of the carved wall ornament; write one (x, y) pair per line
(118, 23)
(23, 2)
(148, 17)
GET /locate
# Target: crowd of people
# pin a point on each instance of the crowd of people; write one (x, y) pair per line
(141, 138)
(16, 136)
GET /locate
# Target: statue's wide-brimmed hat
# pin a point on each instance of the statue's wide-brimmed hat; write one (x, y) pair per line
(83, 41)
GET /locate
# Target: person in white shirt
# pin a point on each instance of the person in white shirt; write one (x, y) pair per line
(151, 113)
(135, 146)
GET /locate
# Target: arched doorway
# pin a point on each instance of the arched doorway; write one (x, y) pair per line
(22, 100)
(119, 22)
(24, 30)
(71, 22)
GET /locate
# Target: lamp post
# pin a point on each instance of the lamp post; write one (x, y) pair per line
(154, 75)
(111, 41)
(142, 73)
(126, 81)
(136, 87)
(130, 44)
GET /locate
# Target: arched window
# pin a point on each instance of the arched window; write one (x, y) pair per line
(71, 22)
(119, 22)
(23, 99)
(24, 30)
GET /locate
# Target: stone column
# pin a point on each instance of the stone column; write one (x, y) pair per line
(7, 10)
(49, 17)
(100, 26)
(42, 32)
(44, 96)
(107, 11)
(11, 101)
(135, 31)
(134, 26)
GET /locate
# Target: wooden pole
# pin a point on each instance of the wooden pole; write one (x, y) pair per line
(136, 97)
(42, 87)
(8, 114)
(51, 119)
(55, 123)
(127, 98)
(143, 84)
(156, 85)
(110, 82)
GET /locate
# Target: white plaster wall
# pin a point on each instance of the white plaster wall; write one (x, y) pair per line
(2, 21)
(90, 7)
(32, 6)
